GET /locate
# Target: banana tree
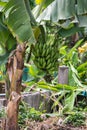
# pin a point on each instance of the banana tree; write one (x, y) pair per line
(15, 34)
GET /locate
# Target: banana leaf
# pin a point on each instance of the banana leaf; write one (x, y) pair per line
(76, 78)
(82, 20)
(18, 21)
(81, 7)
(69, 102)
(58, 87)
(58, 10)
(71, 80)
(48, 2)
(69, 32)
(47, 13)
(61, 90)
(4, 58)
(82, 67)
(4, 33)
(78, 43)
(44, 85)
(7, 41)
(39, 8)
(63, 10)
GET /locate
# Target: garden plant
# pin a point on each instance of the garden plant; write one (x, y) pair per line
(36, 39)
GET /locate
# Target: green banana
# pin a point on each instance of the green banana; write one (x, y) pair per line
(44, 63)
(46, 55)
(48, 66)
(43, 53)
(48, 62)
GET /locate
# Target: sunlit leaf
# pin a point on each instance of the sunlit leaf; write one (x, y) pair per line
(2, 4)
(73, 69)
(33, 70)
(63, 50)
(75, 76)
(18, 21)
(78, 43)
(56, 87)
(82, 67)
(69, 102)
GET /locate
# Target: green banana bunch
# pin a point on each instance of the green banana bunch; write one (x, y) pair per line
(46, 55)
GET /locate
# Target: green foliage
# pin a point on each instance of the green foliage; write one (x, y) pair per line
(81, 106)
(76, 119)
(33, 70)
(39, 8)
(78, 43)
(31, 74)
(82, 67)
(70, 58)
(69, 102)
(2, 72)
(2, 113)
(26, 113)
(2, 4)
(66, 32)
(65, 12)
(56, 87)
(18, 21)
(32, 3)
(7, 41)
(75, 77)
(15, 26)
(67, 93)
(67, 55)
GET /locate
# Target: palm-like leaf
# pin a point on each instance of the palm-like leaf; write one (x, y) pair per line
(71, 92)
(18, 21)
(66, 10)
(4, 32)
(7, 41)
(59, 10)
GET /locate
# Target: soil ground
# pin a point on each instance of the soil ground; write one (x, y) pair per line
(52, 123)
